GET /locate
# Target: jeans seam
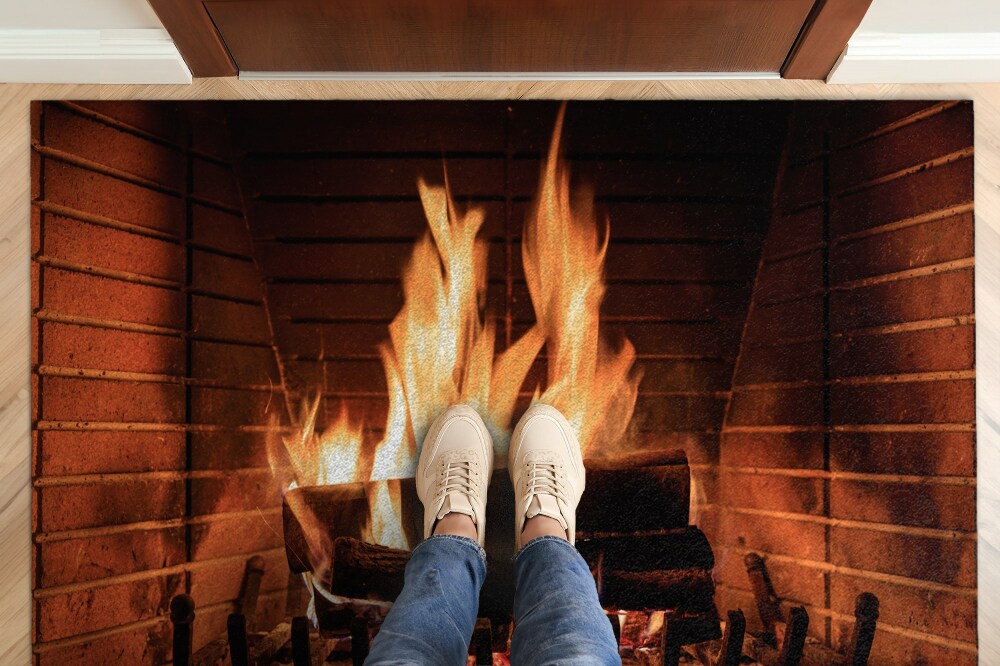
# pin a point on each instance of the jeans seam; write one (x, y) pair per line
(539, 539)
(460, 539)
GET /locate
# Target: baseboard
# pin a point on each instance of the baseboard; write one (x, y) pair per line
(879, 57)
(143, 56)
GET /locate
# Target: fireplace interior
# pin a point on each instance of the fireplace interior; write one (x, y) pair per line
(796, 279)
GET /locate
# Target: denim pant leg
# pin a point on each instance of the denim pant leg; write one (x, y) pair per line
(431, 622)
(558, 617)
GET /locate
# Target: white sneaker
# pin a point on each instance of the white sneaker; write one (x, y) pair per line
(546, 468)
(456, 462)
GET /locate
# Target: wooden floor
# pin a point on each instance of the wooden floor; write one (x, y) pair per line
(15, 386)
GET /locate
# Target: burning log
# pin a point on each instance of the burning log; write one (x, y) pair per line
(362, 570)
(687, 590)
(263, 646)
(685, 548)
(182, 617)
(657, 483)
(314, 510)
(334, 615)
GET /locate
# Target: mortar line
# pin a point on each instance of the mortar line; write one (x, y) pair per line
(47, 646)
(115, 123)
(827, 523)
(893, 579)
(911, 119)
(911, 170)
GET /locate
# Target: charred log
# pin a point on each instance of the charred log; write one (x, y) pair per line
(362, 570)
(658, 485)
(310, 513)
(685, 548)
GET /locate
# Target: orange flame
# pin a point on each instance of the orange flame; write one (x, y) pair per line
(441, 346)
(331, 458)
(592, 384)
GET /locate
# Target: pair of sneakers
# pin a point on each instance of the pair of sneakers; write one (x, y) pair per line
(545, 465)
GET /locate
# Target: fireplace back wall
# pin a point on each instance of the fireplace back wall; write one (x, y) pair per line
(186, 291)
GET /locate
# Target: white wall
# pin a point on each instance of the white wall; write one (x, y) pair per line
(908, 16)
(86, 41)
(77, 14)
(924, 41)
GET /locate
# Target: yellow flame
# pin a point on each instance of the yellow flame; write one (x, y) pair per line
(593, 385)
(331, 458)
(440, 351)
(441, 346)
(384, 501)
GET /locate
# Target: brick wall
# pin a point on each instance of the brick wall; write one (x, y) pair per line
(848, 451)
(152, 355)
(333, 208)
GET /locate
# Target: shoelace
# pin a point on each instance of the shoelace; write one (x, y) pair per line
(545, 478)
(458, 476)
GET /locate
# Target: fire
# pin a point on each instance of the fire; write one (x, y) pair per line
(441, 346)
(330, 458)
(563, 251)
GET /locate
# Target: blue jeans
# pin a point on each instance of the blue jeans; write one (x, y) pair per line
(557, 616)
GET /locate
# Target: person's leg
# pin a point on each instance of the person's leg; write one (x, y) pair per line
(432, 620)
(558, 619)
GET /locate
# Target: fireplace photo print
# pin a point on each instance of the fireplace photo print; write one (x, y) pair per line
(757, 317)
